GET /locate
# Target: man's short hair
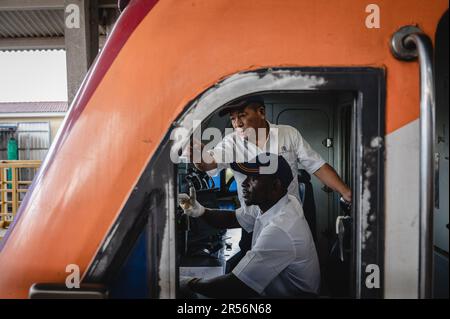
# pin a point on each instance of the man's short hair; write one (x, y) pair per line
(255, 100)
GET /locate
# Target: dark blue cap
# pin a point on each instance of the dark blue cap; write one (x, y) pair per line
(266, 163)
(241, 103)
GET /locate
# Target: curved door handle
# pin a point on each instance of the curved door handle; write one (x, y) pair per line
(408, 43)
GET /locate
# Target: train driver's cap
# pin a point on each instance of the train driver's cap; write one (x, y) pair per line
(266, 163)
(240, 104)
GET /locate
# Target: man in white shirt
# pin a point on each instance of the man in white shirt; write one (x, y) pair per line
(282, 262)
(253, 135)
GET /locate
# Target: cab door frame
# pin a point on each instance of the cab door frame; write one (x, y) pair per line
(368, 156)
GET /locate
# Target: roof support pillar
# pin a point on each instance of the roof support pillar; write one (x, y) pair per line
(81, 41)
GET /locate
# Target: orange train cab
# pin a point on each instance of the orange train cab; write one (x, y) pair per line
(104, 201)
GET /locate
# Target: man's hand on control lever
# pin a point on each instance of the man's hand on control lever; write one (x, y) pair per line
(194, 146)
(190, 205)
(203, 161)
(217, 218)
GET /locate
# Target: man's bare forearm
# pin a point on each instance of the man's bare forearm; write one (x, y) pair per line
(203, 160)
(204, 167)
(329, 177)
(221, 219)
(226, 286)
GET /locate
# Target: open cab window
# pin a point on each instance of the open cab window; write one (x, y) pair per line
(338, 111)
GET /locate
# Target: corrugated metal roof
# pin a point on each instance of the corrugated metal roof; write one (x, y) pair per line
(31, 23)
(33, 107)
(30, 26)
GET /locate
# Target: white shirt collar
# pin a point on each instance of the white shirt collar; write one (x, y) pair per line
(270, 137)
(272, 212)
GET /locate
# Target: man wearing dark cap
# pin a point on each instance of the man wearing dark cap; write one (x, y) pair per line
(282, 261)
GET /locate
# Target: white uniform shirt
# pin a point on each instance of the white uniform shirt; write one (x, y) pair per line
(283, 140)
(283, 260)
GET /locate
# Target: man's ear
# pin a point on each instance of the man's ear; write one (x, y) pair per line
(262, 111)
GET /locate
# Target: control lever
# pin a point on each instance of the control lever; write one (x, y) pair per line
(345, 206)
(340, 232)
(186, 233)
(188, 223)
(340, 228)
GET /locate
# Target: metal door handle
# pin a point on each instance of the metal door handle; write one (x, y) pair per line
(408, 43)
(340, 232)
(437, 157)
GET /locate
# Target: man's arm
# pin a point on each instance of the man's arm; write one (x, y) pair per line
(329, 177)
(205, 167)
(226, 286)
(221, 219)
(203, 161)
(309, 158)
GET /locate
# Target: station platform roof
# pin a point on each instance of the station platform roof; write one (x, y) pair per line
(39, 24)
